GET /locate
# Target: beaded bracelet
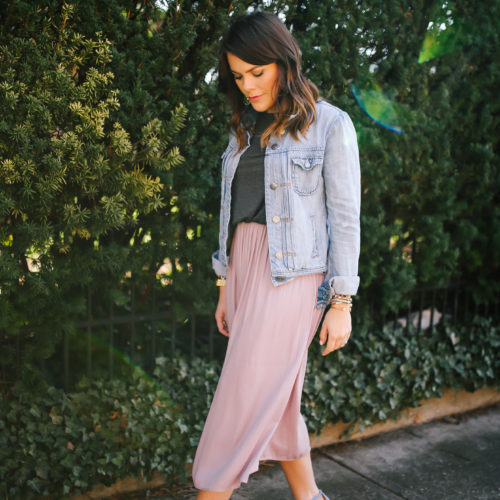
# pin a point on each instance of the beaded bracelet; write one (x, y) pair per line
(342, 296)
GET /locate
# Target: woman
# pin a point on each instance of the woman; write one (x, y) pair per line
(290, 217)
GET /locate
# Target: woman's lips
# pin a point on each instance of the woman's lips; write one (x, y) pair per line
(255, 98)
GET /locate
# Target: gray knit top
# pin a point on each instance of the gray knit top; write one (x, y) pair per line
(247, 189)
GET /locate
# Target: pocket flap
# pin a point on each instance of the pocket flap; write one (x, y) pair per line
(307, 163)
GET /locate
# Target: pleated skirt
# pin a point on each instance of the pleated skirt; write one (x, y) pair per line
(255, 412)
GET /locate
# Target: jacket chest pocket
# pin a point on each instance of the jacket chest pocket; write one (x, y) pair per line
(306, 174)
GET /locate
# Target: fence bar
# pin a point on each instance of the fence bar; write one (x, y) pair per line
(172, 338)
(193, 335)
(445, 299)
(89, 333)
(421, 306)
(43, 367)
(123, 319)
(153, 330)
(466, 314)
(18, 356)
(66, 359)
(132, 322)
(111, 340)
(408, 316)
(455, 306)
(433, 304)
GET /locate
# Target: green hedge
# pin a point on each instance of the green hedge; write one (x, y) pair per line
(52, 443)
(428, 213)
(57, 444)
(383, 372)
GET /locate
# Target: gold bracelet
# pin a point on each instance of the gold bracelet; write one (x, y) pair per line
(221, 281)
(340, 308)
(342, 301)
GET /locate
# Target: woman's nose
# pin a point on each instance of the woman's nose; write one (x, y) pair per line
(248, 84)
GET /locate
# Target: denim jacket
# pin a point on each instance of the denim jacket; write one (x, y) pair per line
(312, 200)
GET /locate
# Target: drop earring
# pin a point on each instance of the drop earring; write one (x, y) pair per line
(246, 100)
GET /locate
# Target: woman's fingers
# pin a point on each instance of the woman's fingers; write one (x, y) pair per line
(225, 328)
(336, 340)
(332, 344)
(222, 327)
(220, 313)
(220, 318)
(337, 328)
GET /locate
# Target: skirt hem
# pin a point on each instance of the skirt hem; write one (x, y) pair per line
(238, 483)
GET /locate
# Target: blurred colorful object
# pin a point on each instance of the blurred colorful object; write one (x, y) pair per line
(441, 40)
(377, 106)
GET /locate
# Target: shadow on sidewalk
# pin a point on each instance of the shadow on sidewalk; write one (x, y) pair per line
(455, 457)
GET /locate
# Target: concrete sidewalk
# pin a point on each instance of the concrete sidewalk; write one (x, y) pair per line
(452, 458)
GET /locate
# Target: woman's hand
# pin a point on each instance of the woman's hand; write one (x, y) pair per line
(220, 312)
(337, 325)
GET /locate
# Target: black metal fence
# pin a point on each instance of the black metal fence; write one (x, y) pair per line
(113, 338)
(427, 306)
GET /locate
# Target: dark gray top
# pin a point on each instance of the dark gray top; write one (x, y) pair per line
(247, 189)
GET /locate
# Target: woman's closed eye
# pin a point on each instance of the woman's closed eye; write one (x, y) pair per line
(254, 74)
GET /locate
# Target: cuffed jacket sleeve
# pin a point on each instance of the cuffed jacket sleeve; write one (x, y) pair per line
(342, 180)
(219, 268)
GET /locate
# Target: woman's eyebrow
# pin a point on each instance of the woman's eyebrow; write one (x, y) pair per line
(248, 71)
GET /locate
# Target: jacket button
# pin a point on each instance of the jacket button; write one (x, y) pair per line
(273, 186)
(276, 219)
(274, 146)
(278, 255)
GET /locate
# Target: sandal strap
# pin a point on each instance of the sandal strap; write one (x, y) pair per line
(319, 496)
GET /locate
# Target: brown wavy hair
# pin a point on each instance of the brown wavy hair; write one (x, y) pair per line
(261, 38)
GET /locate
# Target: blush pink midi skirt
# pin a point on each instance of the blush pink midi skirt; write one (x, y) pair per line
(255, 412)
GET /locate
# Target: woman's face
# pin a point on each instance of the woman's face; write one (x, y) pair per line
(255, 82)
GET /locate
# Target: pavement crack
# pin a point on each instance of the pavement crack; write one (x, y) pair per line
(455, 454)
(373, 481)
